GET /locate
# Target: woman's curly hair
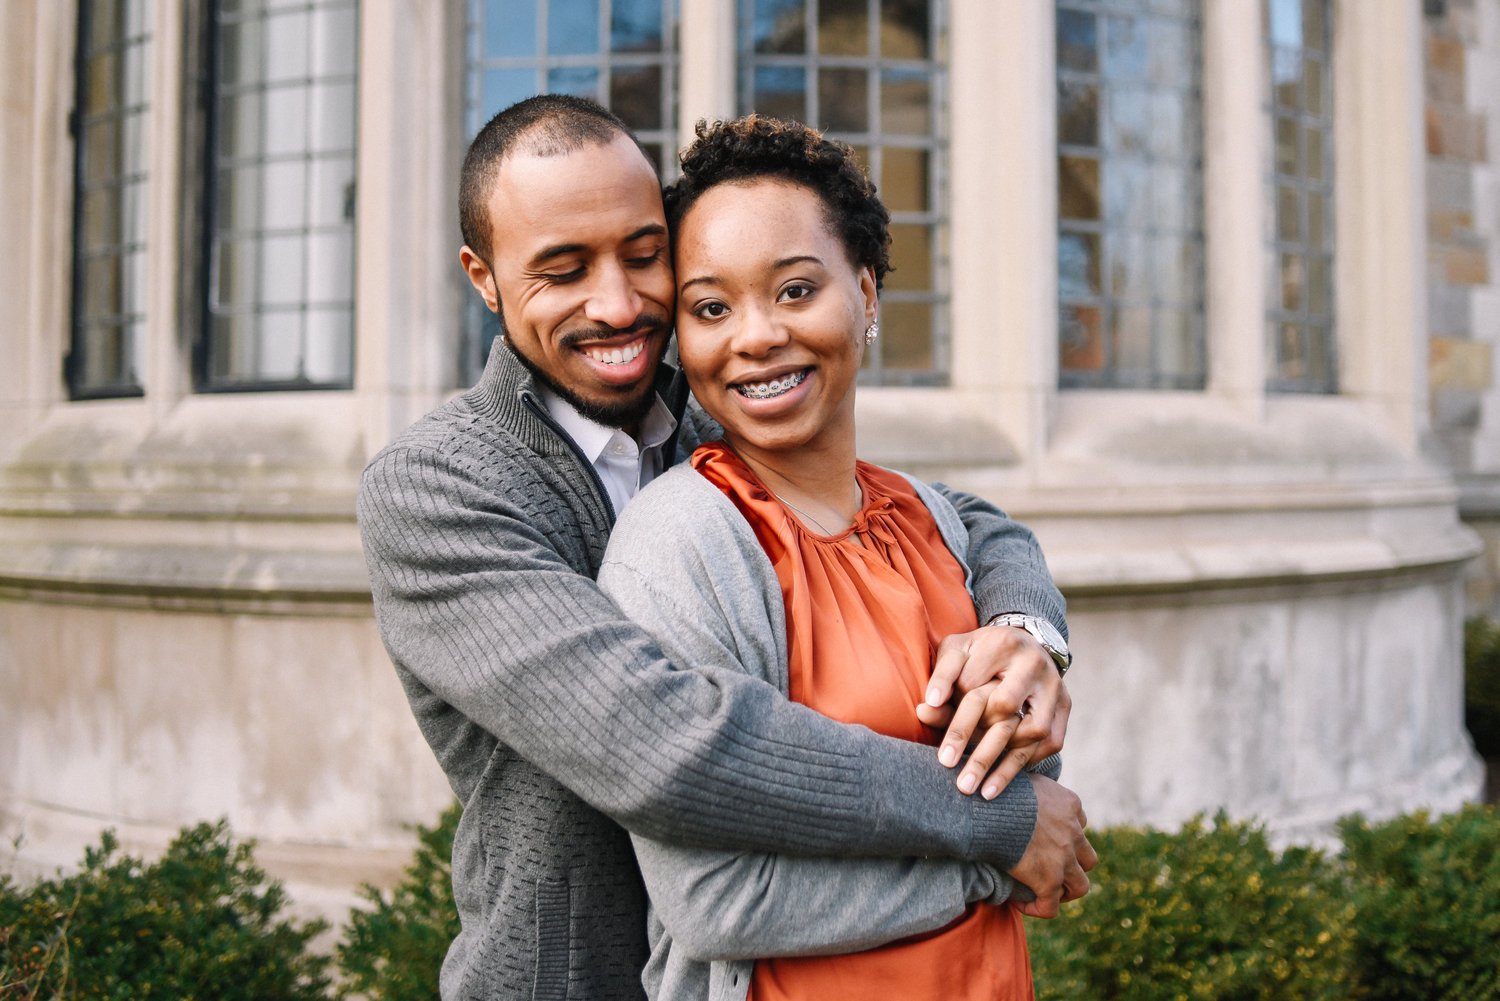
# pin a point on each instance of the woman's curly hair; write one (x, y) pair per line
(755, 147)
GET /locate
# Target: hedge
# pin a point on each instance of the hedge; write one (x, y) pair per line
(202, 923)
(1408, 909)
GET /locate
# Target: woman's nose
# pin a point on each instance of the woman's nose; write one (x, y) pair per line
(758, 333)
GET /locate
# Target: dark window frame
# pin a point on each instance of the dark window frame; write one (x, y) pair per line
(76, 358)
(203, 234)
(1308, 323)
(1192, 309)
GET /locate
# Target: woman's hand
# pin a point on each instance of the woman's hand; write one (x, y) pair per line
(1010, 699)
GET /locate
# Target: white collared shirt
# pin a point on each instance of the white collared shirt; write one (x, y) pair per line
(623, 465)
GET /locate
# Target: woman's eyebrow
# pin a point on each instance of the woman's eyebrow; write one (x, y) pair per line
(701, 280)
(785, 262)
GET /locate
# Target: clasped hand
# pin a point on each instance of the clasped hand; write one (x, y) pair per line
(981, 683)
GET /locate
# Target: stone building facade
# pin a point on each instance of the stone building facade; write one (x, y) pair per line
(1463, 201)
(1204, 292)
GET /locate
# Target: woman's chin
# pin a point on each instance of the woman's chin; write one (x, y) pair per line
(764, 440)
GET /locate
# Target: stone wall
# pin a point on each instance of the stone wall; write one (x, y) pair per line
(1462, 114)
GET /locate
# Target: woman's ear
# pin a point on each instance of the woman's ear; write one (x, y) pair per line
(870, 292)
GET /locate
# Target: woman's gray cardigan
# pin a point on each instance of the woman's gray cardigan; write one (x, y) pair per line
(685, 564)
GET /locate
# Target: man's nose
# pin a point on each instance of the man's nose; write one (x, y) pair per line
(613, 300)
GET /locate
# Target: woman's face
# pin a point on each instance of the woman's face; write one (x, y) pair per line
(770, 315)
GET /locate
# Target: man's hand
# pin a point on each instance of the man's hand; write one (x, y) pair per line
(999, 670)
(1057, 860)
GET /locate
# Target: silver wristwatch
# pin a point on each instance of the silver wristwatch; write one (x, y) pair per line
(1043, 632)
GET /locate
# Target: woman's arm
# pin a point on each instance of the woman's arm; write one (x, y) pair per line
(705, 607)
(721, 905)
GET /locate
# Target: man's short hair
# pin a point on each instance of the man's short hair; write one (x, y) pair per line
(545, 125)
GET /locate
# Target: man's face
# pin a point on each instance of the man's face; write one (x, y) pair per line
(580, 273)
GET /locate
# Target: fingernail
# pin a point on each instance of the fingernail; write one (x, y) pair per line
(966, 783)
(948, 755)
(934, 697)
(991, 791)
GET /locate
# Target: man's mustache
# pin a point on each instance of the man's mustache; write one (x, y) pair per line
(646, 324)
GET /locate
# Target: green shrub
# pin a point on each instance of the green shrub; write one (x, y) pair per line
(200, 924)
(393, 951)
(1428, 899)
(1205, 914)
(1482, 684)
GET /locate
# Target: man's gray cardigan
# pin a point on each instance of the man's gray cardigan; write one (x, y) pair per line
(560, 723)
(711, 597)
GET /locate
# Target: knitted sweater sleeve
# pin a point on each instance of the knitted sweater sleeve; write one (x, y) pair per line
(491, 628)
(711, 596)
(1010, 573)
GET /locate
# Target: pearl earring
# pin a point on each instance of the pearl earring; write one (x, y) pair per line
(872, 331)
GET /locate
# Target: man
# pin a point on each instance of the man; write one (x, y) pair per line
(557, 720)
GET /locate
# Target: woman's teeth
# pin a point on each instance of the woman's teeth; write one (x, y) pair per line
(766, 390)
(616, 356)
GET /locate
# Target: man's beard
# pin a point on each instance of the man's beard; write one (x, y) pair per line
(624, 412)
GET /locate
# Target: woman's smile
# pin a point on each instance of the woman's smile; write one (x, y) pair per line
(772, 387)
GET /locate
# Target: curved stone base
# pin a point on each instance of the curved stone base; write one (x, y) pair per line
(146, 721)
(1291, 705)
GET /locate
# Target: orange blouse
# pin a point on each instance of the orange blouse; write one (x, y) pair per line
(863, 625)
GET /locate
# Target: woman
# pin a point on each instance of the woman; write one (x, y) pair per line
(831, 578)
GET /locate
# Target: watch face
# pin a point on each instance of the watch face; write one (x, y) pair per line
(1049, 635)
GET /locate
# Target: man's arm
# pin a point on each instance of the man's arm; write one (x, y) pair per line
(1009, 575)
(475, 603)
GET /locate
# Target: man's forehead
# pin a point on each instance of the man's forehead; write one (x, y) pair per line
(598, 197)
(543, 153)
(599, 172)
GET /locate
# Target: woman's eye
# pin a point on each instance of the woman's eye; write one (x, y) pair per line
(796, 292)
(711, 310)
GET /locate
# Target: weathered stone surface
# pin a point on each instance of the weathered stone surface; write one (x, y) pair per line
(1460, 365)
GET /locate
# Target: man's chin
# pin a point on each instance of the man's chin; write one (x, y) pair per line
(615, 408)
(623, 411)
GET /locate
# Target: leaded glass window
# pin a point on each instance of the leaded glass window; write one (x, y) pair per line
(112, 160)
(280, 197)
(1130, 194)
(621, 53)
(871, 73)
(1300, 117)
